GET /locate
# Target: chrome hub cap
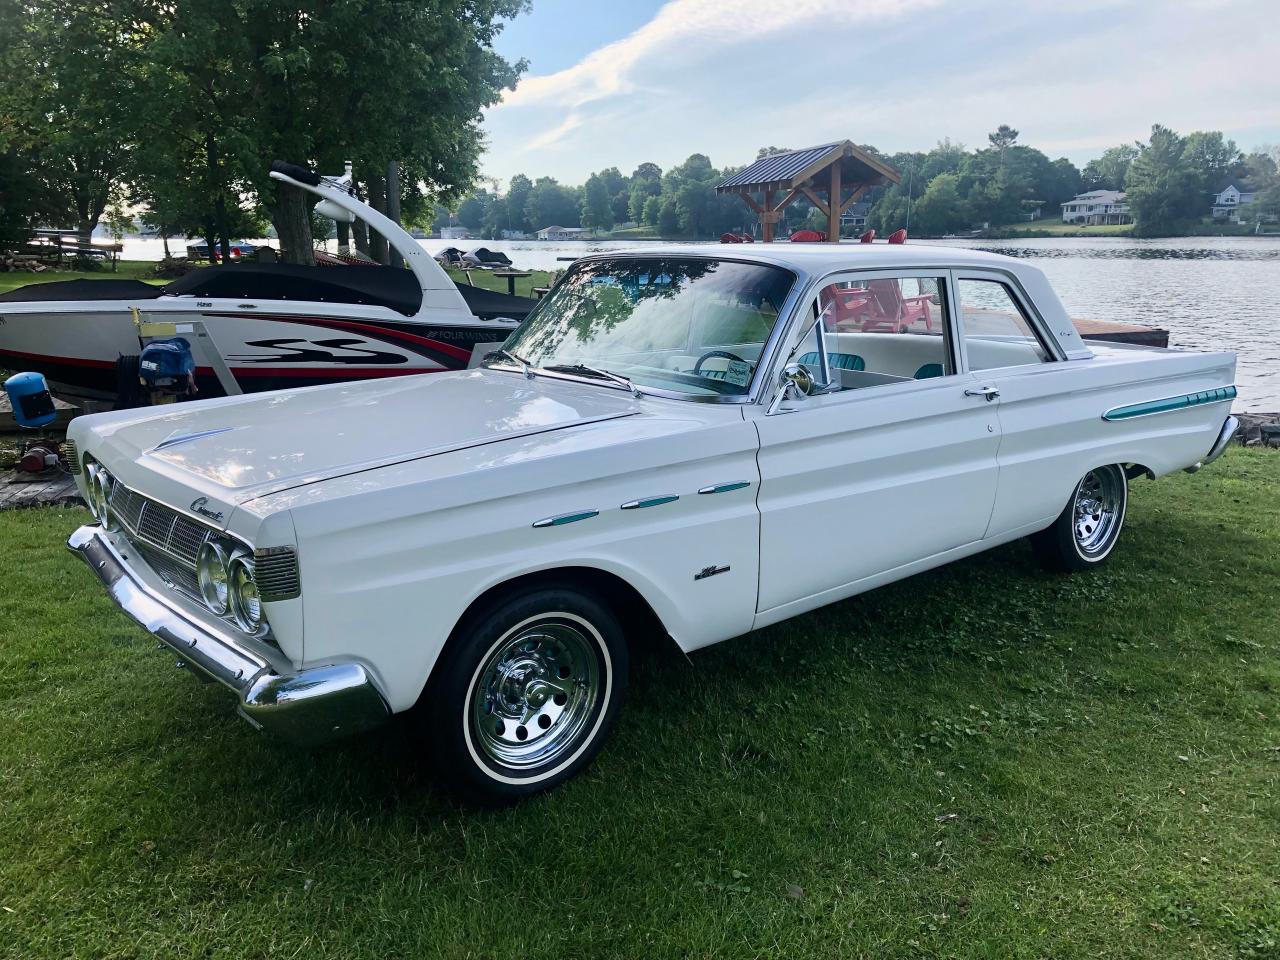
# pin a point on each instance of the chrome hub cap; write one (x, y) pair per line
(1099, 504)
(535, 694)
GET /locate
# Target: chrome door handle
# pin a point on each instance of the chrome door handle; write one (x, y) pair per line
(987, 393)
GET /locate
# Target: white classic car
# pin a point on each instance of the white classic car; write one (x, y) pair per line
(479, 547)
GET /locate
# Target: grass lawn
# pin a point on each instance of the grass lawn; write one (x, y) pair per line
(485, 279)
(981, 761)
(1054, 227)
(125, 270)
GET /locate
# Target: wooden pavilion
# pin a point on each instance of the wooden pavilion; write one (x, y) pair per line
(841, 171)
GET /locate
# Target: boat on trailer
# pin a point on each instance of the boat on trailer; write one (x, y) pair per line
(273, 324)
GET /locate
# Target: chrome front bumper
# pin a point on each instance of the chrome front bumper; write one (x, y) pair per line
(305, 707)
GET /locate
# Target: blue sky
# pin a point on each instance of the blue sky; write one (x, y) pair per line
(619, 82)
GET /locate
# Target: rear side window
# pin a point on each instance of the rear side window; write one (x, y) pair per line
(997, 333)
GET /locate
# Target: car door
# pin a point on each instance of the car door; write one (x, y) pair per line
(1047, 434)
(894, 465)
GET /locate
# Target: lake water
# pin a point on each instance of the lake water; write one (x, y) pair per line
(1210, 293)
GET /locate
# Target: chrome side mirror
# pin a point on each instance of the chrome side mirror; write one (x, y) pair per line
(794, 382)
(797, 381)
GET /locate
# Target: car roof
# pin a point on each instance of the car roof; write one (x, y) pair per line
(817, 258)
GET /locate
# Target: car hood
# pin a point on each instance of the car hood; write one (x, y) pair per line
(236, 449)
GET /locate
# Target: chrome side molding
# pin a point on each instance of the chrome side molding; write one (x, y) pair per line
(649, 502)
(1168, 404)
(725, 487)
(564, 518)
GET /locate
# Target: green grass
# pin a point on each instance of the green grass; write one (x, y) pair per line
(485, 279)
(981, 761)
(1054, 227)
(125, 269)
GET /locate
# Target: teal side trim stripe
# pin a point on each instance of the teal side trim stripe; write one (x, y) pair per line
(725, 487)
(649, 502)
(1168, 404)
(564, 518)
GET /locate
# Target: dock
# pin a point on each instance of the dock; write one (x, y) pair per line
(36, 490)
(1122, 333)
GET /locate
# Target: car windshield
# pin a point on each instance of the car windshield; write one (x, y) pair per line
(689, 325)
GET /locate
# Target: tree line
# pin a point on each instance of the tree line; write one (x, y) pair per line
(1168, 181)
(181, 105)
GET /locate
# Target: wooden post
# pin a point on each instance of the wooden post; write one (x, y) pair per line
(833, 205)
(766, 221)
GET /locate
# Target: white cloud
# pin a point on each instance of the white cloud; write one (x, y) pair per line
(724, 78)
(685, 31)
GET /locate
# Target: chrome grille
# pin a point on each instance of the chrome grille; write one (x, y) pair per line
(72, 455)
(172, 572)
(276, 572)
(160, 530)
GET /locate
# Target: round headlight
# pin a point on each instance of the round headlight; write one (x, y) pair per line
(102, 484)
(213, 577)
(246, 606)
(91, 489)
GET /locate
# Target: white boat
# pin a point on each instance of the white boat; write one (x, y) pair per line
(274, 324)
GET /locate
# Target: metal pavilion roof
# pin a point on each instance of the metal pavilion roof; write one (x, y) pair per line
(788, 169)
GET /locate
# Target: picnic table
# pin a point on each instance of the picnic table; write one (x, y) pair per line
(511, 276)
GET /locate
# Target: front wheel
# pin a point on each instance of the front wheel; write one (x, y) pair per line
(1088, 528)
(525, 694)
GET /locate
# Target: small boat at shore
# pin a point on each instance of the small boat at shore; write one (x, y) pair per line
(274, 324)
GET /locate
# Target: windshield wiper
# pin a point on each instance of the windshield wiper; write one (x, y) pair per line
(501, 352)
(585, 370)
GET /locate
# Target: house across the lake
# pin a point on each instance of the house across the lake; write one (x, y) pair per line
(1097, 207)
(1229, 198)
(561, 233)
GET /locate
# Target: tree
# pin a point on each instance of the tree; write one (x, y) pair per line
(940, 208)
(597, 209)
(1108, 172)
(68, 99)
(1003, 138)
(652, 210)
(668, 217)
(471, 211)
(1213, 157)
(518, 191)
(259, 80)
(1162, 188)
(551, 204)
(646, 182)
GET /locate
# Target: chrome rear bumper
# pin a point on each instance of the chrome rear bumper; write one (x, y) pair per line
(1229, 428)
(305, 707)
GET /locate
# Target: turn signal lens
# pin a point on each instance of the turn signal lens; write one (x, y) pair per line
(246, 605)
(214, 578)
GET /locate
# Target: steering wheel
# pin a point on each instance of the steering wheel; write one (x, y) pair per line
(697, 367)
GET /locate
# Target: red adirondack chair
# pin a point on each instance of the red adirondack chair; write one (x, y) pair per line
(868, 237)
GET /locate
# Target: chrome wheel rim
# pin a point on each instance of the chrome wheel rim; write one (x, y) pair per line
(535, 694)
(1099, 506)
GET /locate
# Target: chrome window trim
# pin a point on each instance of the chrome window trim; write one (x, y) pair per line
(816, 283)
(1048, 342)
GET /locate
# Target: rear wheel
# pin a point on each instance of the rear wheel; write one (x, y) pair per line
(526, 694)
(1086, 531)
